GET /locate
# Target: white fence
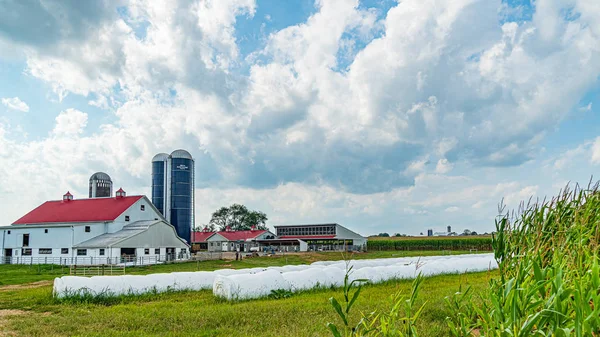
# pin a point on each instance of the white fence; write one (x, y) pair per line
(89, 260)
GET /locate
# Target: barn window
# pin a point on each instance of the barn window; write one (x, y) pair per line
(64, 250)
(46, 231)
(81, 252)
(143, 207)
(25, 240)
(157, 251)
(101, 251)
(45, 251)
(127, 218)
(9, 232)
(183, 251)
(147, 251)
(87, 229)
(26, 252)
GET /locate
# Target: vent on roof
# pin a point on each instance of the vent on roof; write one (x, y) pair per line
(68, 196)
(121, 193)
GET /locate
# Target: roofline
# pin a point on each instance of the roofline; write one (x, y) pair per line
(213, 233)
(129, 237)
(309, 225)
(52, 224)
(348, 229)
(127, 196)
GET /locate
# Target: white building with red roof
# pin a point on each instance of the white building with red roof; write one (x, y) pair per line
(300, 238)
(109, 230)
(230, 240)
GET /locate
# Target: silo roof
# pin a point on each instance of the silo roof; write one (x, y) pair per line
(100, 176)
(160, 157)
(181, 154)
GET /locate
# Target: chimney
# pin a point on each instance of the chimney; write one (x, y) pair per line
(121, 193)
(67, 197)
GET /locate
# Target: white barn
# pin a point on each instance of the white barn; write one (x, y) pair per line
(92, 231)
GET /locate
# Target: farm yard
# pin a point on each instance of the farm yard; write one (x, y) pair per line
(29, 309)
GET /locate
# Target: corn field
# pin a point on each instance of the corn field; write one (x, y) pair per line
(549, 282)
(458, 243)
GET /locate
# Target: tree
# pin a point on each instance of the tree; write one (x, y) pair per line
(467, 232)
(238, 218)
(211, 228)
(384, 235)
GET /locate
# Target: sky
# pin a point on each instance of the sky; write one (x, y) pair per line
(381, 115)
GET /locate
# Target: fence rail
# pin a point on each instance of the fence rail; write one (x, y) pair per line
(90, 260)
(76, 270)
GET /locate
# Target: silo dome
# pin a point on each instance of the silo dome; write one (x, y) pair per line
(160, 157)
(181, 154)
(100, 176)
(100, 185)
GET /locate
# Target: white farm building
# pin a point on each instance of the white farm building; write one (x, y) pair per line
(111, 230)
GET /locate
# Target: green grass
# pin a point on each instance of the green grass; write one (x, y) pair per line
(201, 314)
(20, 274)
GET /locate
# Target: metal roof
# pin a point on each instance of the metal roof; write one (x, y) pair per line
(160, 157)
(78, 210)
(181, 154)
(100, 176)
(109, 239)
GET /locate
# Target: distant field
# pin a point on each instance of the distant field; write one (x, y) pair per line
(30, 310)
(402, 238)
(426, 243)
(19, 274)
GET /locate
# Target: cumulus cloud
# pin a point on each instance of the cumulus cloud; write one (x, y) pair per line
(437, 81)
(15, 103)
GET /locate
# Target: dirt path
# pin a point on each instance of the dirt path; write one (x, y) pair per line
(25, 286)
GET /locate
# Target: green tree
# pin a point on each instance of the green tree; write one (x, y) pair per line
(238, 217)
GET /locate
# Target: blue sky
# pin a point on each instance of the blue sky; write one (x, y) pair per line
(384, 116)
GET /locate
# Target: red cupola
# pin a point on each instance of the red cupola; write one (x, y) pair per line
(121, 193)
(67, 196)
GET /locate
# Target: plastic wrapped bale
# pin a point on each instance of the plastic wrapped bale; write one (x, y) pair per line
(107, 285)
(70, 285)
(162, 282)
(137, 284)
(307, 279)
(194, 280)
(336, 276)
(227, 272)
(366, 273)
(247, 286)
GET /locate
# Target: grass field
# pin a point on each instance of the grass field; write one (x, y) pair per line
(19, 274)
(28, 309)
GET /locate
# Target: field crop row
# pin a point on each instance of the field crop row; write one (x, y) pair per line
(479, 243)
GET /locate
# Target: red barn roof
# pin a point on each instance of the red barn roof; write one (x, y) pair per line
(82, 210)
(201, 236)
(240, 235)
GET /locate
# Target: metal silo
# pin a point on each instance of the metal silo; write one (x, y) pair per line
(159, 181)
(173, 189)
(181, 213)
(100, 185)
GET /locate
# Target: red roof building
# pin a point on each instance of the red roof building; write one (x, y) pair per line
(82, 210)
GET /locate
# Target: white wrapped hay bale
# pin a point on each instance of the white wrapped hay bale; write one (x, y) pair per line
(247, 286)
(194, 280)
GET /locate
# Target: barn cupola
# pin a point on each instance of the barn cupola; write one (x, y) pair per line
(228, 229)
(67, 197)
(253, 228)
(121, 193)
(206, 229)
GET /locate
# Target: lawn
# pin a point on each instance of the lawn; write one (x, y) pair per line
(19, 274)
(30, 310)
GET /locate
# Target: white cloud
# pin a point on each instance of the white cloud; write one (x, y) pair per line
(596, 151)
(452, 209)
(306, 133)
(70, 122)
(15, 103)
(443, 166)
